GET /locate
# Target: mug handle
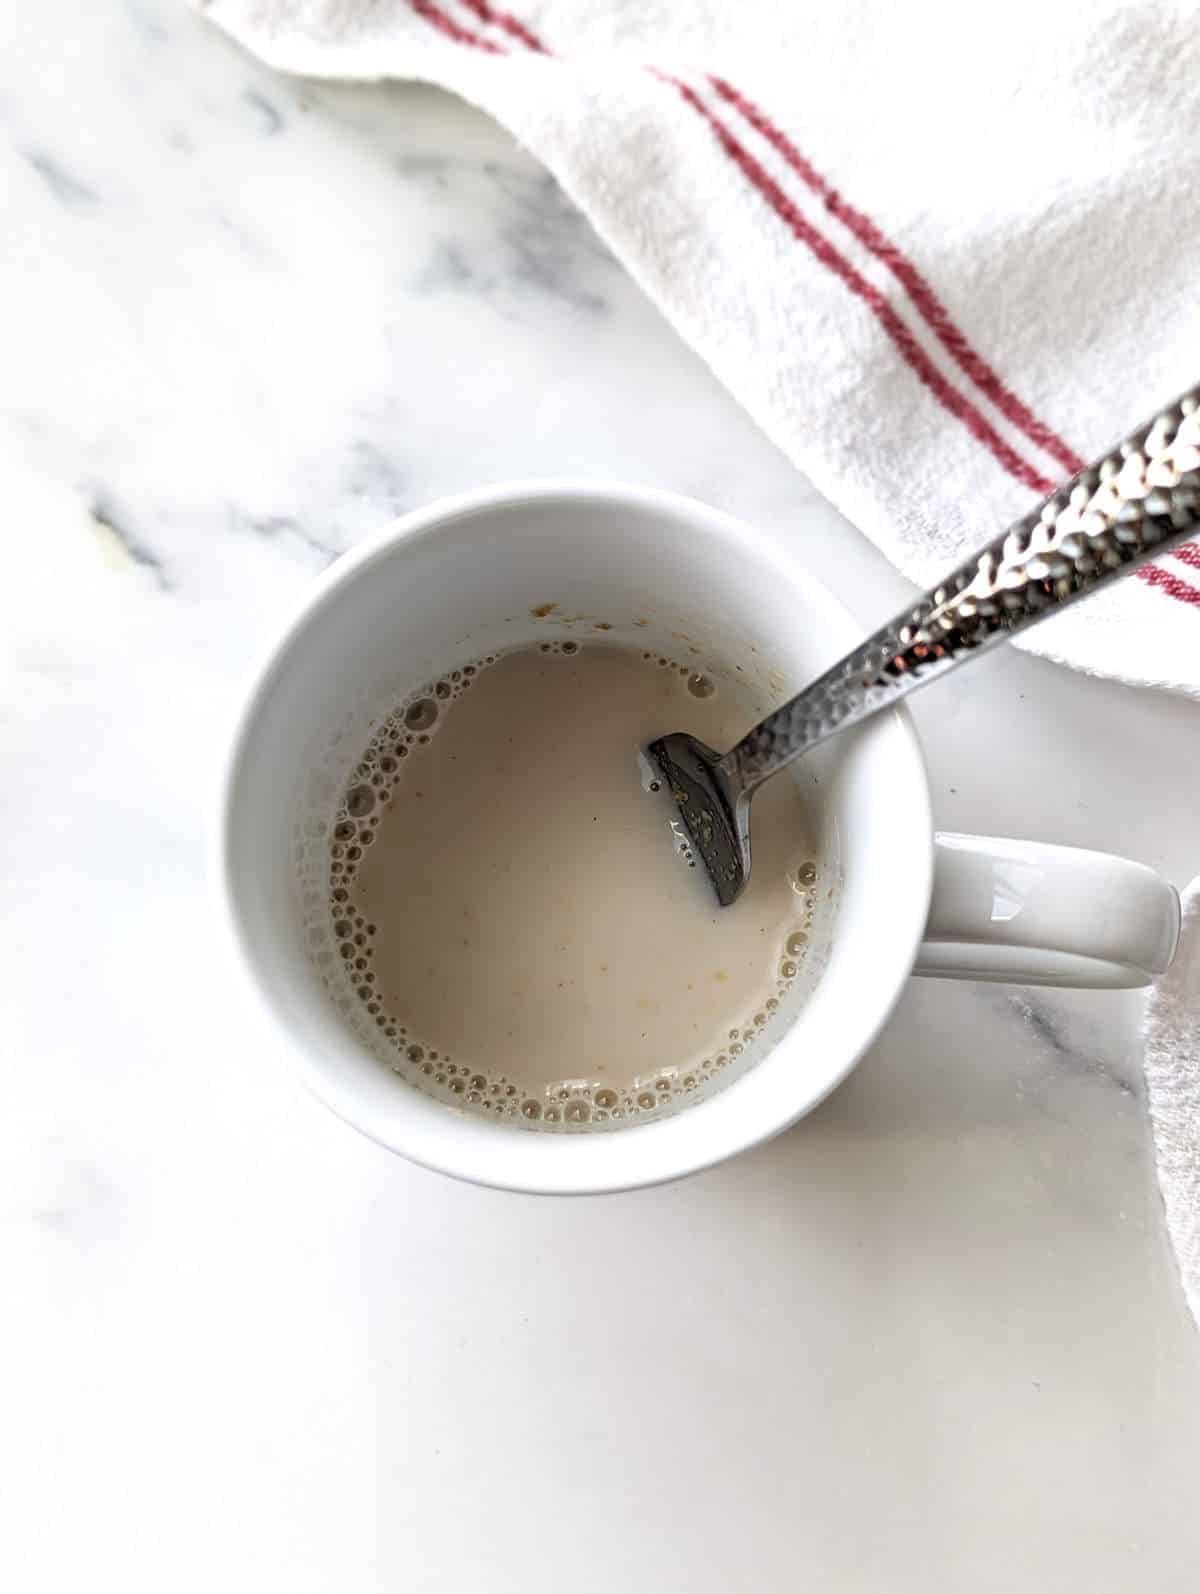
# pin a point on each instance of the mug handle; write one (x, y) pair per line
(1033, 914)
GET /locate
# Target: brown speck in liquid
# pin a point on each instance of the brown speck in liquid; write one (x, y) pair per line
(542, 610)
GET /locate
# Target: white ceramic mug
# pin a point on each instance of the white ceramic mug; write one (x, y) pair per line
(461, 578)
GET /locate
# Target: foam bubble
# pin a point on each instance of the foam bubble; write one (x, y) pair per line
(571, 1104)
(360, 800)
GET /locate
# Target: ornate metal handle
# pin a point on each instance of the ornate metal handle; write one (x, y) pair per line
(1141, 498)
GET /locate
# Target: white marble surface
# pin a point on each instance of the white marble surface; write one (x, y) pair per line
(931, 1339)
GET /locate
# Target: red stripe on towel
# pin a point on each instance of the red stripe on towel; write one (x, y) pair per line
(925, 301)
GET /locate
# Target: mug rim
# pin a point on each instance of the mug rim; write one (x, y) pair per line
(540, 1174)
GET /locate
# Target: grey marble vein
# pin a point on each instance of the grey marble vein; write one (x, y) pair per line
(549, 237)
(280, 526)
(1053, 1033)
(270, 118)
(538, 247)
(71, 190)
(120, 523)
(149, 21)
(374, 473)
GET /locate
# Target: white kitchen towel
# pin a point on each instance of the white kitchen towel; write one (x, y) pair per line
(943, 253)
(1173, 1081)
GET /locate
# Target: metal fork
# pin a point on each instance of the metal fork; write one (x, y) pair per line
(1139, 499)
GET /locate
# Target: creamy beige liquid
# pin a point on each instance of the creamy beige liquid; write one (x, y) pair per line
(519, 923)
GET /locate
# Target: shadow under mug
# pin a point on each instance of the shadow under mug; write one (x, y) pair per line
(466, 573)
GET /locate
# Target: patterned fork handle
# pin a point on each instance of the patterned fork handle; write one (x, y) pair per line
(1141, 498)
